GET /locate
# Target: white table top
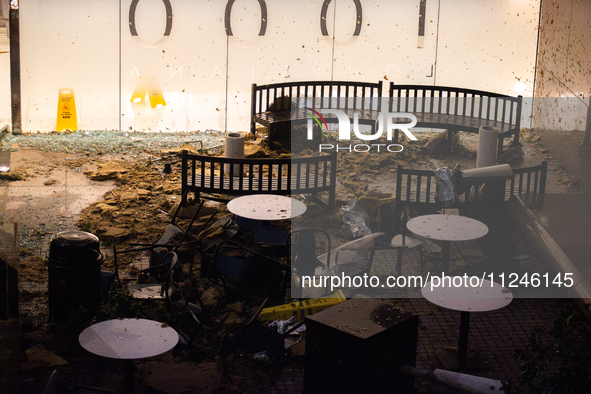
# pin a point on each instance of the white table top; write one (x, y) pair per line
(128, 339)
(488, 297)
(266, 207)
(447, 227)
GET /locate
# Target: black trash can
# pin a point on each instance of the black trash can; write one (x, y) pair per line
(74, 264)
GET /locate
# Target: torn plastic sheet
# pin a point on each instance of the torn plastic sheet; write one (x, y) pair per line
(355, 253)
(355, 218)
(283, 326)
(229, 225)
(446, 185)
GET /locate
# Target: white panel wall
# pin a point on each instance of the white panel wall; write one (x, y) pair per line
(205, 75)
(69, 44)
(388, 46)
(189, 65)
(291, 49)
(488, 45)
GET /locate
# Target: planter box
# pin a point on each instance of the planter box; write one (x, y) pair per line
(355, 346)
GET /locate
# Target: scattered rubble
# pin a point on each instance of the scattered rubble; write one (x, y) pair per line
(39, 356)
(140, 206)
(512, 154)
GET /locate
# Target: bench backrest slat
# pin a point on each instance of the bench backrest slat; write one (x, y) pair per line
(320, 94)
(241, 177)
(503, 110)
(414, 188)
(480, 104)
(528, 180)
(230, 176)
(326, 173)
(464, 101)
(211, 174)
(431, 101)
(246, 176)
(439, 99)
(260, 176)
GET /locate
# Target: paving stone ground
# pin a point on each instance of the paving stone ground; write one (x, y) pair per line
(494, 336)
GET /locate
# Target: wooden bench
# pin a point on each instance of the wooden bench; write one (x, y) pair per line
(527, 180)
(457, 109)
(271, 105)
(237, 177)
(419, 189)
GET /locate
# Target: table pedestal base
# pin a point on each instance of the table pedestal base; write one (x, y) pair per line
(445, 252)
(460, 359)
(464, 330)
(450, 362)
(129, 375)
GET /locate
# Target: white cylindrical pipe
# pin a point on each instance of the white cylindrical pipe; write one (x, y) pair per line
(234, 148)
(468, 384)
(487, 146)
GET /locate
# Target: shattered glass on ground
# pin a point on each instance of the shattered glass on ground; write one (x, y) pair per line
(99, 142)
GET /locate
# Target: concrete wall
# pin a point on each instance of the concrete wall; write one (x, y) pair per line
(563, 77)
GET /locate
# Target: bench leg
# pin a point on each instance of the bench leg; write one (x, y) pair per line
(331, 199)
(270, 132)
(185, 200)
(500, 146)
(449, 139)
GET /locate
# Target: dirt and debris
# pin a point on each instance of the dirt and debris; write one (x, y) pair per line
(446, 141)
(12, 176)
(143, 198)
(137, 204)
(512, 154)
(388, 315)
(38, 355)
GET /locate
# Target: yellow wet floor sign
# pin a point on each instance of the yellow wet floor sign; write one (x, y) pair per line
(66, 111)
(152, 89)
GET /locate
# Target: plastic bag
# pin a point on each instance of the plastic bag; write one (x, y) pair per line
(354, 217)
(445, 182)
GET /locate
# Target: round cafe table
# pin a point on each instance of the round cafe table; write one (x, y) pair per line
(128, 340)
(447, 228)
(486, 296)
(266, 207)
